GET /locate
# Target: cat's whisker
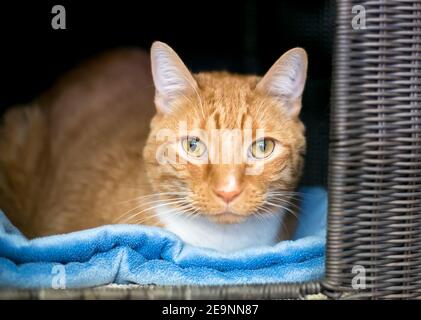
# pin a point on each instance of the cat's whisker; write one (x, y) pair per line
(155, 195)
(296, 193)
(157, 214)
(146, 219)
(284, 201)
(278, 205)
(144, 204)
(284, 196)
(174, 206)
(154, 207)
(180, 194)
(267, 212)
(289, 198)
(187, 210)
(286, 192)
(156, 201)
(177, 202)
(191, 213)
(138, 186)
(283, 207)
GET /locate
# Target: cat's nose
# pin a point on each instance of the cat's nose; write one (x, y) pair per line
(227, 194)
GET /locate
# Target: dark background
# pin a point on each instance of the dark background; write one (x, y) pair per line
(244, 37)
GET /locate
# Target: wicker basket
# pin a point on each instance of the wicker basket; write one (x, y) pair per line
(374, 227)
(375, 152)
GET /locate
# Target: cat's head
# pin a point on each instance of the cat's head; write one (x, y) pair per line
(222, 145)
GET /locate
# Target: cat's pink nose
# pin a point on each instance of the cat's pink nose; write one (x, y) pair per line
(227, 194)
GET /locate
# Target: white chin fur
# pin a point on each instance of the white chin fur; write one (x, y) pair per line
(202, 232)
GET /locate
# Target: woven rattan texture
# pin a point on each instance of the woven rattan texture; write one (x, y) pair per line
(375, 152)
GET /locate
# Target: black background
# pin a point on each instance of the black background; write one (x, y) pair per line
(244, 37)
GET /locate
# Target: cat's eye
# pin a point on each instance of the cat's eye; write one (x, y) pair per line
(262, 148)
(194, 147)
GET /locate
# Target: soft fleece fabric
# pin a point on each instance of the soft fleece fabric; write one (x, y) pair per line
(126, 254)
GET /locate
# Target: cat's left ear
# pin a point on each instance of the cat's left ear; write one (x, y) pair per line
(171, 77)
(285, 80)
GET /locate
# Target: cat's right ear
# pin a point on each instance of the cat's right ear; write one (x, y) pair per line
(171, 77)
(285, 80)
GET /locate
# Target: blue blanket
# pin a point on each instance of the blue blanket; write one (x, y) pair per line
(126, 254)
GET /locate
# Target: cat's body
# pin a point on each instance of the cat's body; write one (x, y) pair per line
(78, 149)
(76, 157)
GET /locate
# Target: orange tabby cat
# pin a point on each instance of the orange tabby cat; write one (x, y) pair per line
(92, 151)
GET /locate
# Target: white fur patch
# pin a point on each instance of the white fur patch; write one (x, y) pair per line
(202, 232)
